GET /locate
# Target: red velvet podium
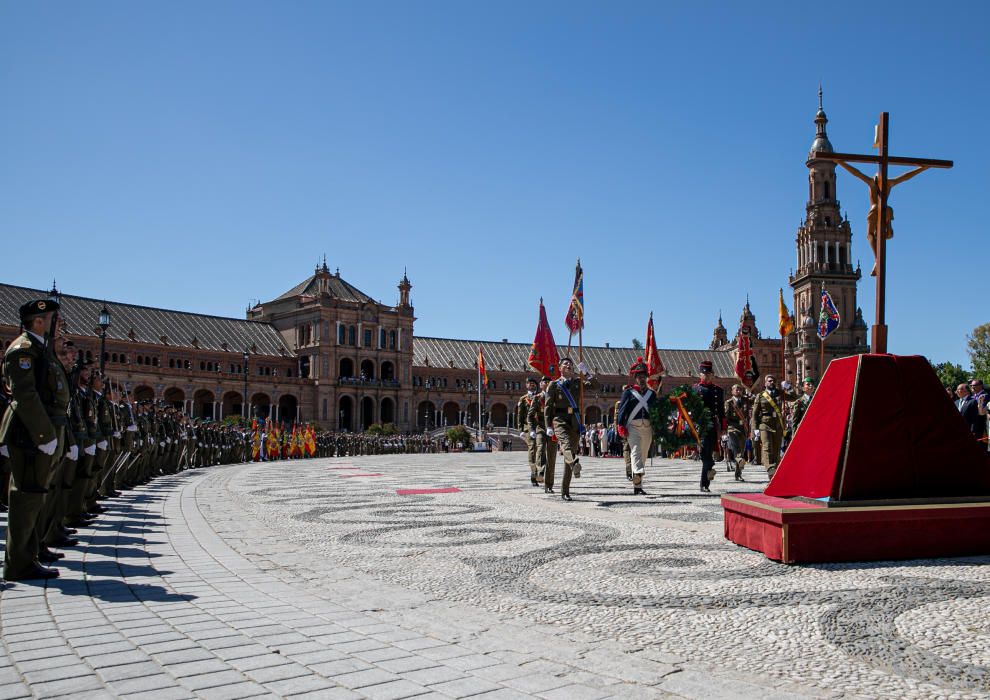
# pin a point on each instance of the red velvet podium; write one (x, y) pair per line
(882, 467)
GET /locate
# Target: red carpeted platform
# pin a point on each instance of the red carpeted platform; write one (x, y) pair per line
(897, 472)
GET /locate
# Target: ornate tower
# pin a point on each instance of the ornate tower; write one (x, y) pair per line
(404, 287)
(720, 336)
(824, 256)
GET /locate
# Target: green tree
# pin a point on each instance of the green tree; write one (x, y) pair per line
(459, 435)
(636, 344)
(951, 375)
(979, 351)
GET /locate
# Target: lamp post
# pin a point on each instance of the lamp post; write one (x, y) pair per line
(104, 323)
(247, 408)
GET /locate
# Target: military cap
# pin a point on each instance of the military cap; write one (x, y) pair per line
(639, 367)
(705, 366)
(37, 308)
(808, 380)
(534, 380)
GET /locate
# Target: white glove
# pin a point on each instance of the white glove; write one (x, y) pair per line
(101, 445)
(49, 447)
(91, 450)
(117, 434)
(161, 444)
(756, 437)
(132, 428)
(74, 453)
(583, 368)
(532, 433)
(785, 385)
(4, 451)
(169, 441)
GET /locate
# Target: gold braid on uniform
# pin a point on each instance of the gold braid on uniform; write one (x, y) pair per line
(665, 416)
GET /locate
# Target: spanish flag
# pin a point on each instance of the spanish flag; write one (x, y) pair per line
(654, 365)
(786, 324)
(482, 372)
(575, 311)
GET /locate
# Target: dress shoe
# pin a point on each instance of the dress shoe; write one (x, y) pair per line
(35, 573)
(628, 477)
(705, 489)
(113, 494)
(566, 496)
(548, 489)
(638, 492)
(65, 542)
(97, 509)
(533, 481)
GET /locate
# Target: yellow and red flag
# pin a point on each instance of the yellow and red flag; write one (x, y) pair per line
(310, 441)
(482, 372)
(654, 365)
(543, 357)
(786, 323)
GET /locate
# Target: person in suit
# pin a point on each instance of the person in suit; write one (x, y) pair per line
(969, 409)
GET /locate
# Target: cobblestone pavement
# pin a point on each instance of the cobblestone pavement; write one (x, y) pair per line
(320, 579)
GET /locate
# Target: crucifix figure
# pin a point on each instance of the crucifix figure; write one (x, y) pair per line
(879, 228)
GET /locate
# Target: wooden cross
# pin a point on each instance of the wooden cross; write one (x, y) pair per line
(880, 187)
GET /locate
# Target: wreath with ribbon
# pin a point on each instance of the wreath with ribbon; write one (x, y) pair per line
(681, 418)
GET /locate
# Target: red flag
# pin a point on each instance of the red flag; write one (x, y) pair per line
(575, 311)
(654, 365)
(482, 372)
(746, 368)
(543, 355)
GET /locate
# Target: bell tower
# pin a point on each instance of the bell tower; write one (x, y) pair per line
(824, 256)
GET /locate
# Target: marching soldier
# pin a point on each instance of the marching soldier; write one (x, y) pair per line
(714, 399)
(633, 422)
(768, 418)
(561, 412)
(30, 436)
(626, 454)
(737, 412)
(523, 409)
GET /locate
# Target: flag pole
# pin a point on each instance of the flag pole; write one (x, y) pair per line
(479, 397)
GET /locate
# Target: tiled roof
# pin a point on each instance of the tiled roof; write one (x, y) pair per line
(149, 325)
(338, 288)
(512, 356)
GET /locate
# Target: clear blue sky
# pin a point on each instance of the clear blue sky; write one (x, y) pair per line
(197, 155)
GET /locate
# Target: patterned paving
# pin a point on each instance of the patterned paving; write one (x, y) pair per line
(291, 578)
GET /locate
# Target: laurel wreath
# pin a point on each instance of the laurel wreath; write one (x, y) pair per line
(664, 419)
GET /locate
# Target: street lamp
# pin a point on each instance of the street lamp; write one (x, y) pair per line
(247, 409)
(104, 323)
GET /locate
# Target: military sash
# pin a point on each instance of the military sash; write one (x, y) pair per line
(570, 399)
(775, 407)
(642, 402)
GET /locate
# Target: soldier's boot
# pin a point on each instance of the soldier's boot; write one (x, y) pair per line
(740, 463)
(638, 485)
(20, 559)
(76, 509)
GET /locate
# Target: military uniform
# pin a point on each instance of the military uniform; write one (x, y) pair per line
(523, 408)
(768, 419)
(737, 411)
(561, 414)
(31, 437)
(714, 398)
(633, 421)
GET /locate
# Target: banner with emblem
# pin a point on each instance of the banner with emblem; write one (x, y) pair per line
(746, 368)
(654, 365)
(828, 319)
(543, 356)
(575, 311)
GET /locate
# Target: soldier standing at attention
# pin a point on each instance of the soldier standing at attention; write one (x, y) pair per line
(714, 399)
(546, 444)
(768, 418)
(562, 413)
(633, 422)
(523, 407)
(30, 437)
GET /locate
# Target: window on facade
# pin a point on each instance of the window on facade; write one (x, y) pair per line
(202, 366)
(391, 339)
(171, 362)
(351, 335)
(826, 186)
(154, 361)
(367, 337)
(139, 360)
(123, 359)
(381, 338)
(341, 335)
(324, 409)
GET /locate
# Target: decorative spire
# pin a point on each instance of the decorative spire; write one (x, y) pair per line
(821, 142)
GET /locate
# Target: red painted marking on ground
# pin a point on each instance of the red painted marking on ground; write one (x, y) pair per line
(349, 476)
(343, 467)
(419, 492)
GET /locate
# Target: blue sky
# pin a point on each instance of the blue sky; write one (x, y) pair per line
(200, 155)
